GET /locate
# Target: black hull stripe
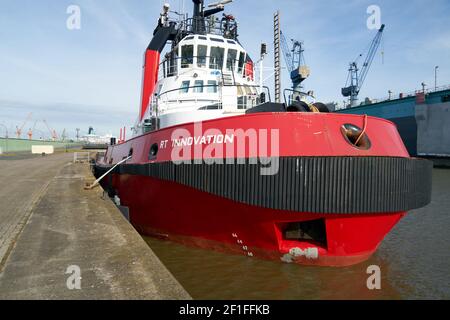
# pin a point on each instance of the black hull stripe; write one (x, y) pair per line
(307, 184)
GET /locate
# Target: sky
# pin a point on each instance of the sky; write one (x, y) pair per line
(92, 76)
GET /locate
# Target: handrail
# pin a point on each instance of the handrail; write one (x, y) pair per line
(211, 85)
(172, 65)
(296, 91)
(164, 98)
(208, 26)
(403, 95)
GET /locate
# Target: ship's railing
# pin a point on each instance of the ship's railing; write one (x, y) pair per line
(211, 25)
(174, 66)
(297, 95)
(403, 95)
(248, 96)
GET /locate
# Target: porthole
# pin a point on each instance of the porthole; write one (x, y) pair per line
(153, 151)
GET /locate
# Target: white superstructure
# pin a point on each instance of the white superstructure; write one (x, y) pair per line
(203, 77)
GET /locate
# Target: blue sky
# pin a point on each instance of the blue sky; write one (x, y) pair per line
(92, 76)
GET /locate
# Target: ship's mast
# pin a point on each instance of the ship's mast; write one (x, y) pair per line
(199, 15)
(277, 55)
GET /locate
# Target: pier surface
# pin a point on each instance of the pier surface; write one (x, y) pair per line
(50, 227)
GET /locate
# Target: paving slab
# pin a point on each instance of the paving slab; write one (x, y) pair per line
(56, 229)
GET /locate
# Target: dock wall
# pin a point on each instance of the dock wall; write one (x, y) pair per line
(8, 145)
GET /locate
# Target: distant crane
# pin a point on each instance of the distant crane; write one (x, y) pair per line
(53, 133)
(31, 131)
(19, 129)
(295, 62)
(63, 135)
(355, 80)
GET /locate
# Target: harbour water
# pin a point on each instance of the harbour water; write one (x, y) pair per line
(414, 260)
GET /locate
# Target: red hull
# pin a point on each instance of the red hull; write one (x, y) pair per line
(186, 214)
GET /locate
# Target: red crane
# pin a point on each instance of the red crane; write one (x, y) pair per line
(19, 130)
(53, 133)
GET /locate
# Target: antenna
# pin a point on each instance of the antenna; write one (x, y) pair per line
(219, 4)
(263, 54)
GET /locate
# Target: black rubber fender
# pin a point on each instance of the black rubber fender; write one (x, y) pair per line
(298, 106)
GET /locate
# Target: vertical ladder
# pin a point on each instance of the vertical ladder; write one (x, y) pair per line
(276, 42)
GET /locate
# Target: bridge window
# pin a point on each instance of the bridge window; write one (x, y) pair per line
(216, 58)
(202, 52)
(231, 59)
(242, 102)
(185, 87)
(241, 99)
(187, 56)
(172, 62)
(212, 86)
(246, 97)
(241, 62)
(198, 86)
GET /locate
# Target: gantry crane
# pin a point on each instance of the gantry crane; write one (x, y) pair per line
(356, 77)
(295, 61)
(293, 57)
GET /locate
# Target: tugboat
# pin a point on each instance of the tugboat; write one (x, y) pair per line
(214, 163)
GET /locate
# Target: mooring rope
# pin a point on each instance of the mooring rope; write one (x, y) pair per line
(107, 172)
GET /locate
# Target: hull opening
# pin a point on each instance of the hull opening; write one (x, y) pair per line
(313, 231)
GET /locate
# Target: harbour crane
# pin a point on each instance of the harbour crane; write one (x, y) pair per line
(63, 135)
(53, 133)
(31, 131)
(19, 129)
(295, 61)
(356, 76)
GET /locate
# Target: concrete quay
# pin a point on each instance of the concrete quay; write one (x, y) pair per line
(59, 241)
